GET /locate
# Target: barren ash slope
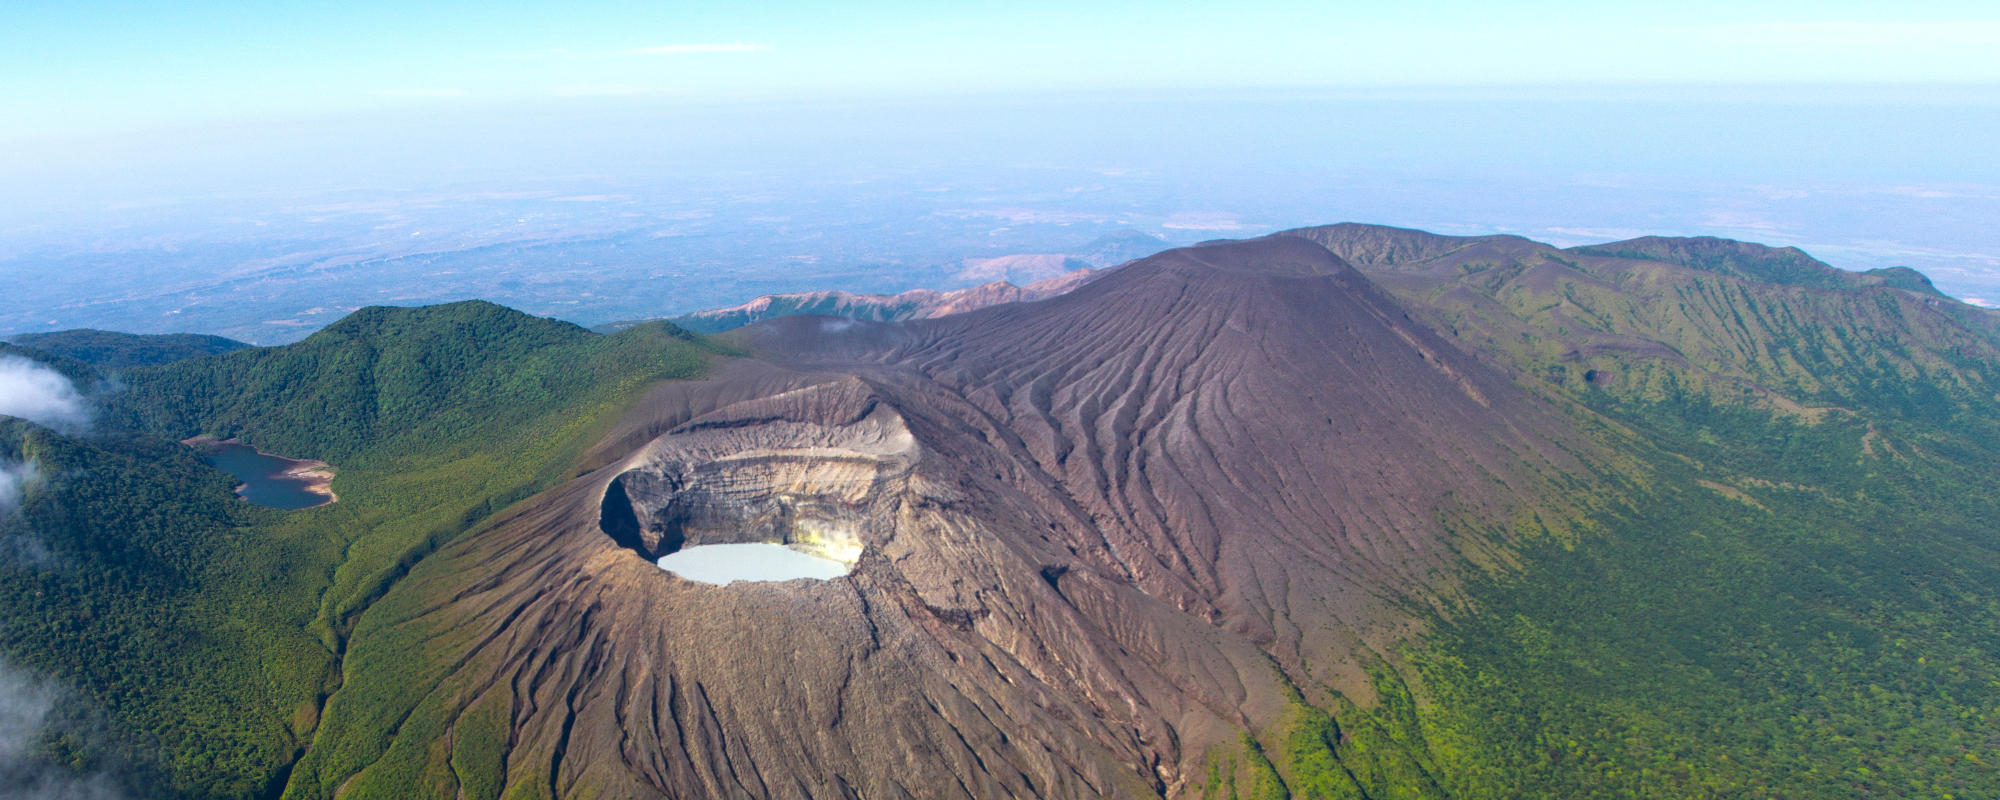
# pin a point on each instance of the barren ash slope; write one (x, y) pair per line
(1099, 541)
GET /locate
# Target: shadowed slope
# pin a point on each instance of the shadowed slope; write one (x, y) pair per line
(1100, 537)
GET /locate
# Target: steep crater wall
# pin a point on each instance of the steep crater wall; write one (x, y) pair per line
(817, 470)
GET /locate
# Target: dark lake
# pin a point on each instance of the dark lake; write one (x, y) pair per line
(263, 476)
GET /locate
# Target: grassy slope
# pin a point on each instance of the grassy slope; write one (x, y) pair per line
(436, 418)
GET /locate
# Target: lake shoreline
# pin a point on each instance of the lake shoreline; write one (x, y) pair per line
(315, 477)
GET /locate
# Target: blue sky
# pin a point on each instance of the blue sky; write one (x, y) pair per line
(80, 68)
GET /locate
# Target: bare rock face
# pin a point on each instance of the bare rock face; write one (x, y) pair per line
(787, 469)
(1095, 538)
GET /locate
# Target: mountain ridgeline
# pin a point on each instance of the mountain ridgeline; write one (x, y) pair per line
(112, 350)
(1342, 512)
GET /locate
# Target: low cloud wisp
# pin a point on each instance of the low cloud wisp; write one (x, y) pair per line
(41, 395)
(28, 709)
(14, 476)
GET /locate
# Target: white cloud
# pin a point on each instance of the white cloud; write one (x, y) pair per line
(24, 703)
(40, 395)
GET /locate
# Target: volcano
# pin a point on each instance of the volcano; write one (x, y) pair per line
(1094, 539)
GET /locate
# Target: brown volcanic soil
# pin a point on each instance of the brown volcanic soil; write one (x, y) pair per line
(1102, 536)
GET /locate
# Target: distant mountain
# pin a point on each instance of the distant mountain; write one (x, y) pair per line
(1904, 278)
(1788, 266)
(113, 350)
(1726, 320)
(1018, 269)
(1118, 247)
(1003, 279)
(913, 304)
(1384, 247)
(1108, 250)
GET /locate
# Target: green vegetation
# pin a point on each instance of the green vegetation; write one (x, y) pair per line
(1826, 627)
(79, 373)
(1791, 610)
(220, 627)
(1904, 278)
(1786, 266)
(109, 583)
(111, 350)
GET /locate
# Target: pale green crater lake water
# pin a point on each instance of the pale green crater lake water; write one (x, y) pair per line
(723, 564)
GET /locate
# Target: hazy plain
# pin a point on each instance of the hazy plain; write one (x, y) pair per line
(599, 210)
